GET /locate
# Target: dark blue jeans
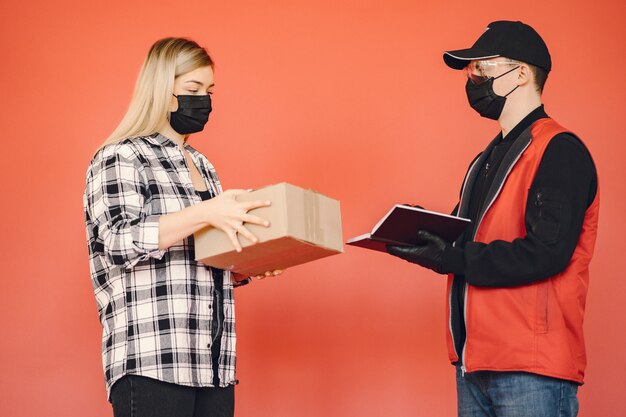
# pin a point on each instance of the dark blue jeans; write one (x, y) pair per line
(137, 396)
(514, 394)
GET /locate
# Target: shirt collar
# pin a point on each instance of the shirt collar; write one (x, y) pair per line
(159, 139)
(532, 117)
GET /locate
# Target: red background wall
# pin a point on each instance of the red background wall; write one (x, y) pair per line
(350, 98)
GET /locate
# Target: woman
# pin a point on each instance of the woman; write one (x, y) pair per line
(168, 322)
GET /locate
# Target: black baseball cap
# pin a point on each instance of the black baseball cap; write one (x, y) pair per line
(514, 40)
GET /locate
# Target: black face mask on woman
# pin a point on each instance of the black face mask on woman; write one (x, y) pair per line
(192, 114)
(484, 100)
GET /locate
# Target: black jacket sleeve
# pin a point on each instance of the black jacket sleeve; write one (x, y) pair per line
(564, 186)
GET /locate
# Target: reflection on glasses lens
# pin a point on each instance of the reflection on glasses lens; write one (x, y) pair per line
(475, 78)
(476, 69)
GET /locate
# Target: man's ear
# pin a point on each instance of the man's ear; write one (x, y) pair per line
(524, 75)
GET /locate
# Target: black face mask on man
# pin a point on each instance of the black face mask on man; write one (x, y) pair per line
(484, 100)
(191, 115)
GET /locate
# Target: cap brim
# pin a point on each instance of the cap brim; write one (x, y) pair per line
(460, 58)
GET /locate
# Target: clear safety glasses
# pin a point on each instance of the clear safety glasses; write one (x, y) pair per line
(477, 70)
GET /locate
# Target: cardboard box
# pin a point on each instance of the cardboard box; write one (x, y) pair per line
(304, 226)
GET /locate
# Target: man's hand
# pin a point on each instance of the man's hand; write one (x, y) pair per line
(429, 254)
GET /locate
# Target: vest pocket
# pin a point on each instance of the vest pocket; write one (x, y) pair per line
(541, 322)
(549, 214)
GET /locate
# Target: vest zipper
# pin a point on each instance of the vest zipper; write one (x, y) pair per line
(465, 324)
(460, 356)
(519, 155)
(463, 189)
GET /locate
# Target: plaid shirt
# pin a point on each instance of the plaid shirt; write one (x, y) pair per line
(155, 305)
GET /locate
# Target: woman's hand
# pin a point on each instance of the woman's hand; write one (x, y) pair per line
(239, 280)
(273, 273)
(224, 212)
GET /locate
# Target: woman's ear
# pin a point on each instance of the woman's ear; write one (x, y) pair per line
(173, 104)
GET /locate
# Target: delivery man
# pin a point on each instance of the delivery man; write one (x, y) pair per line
(518, 276)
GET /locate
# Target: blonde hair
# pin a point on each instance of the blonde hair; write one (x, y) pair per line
(149, 107)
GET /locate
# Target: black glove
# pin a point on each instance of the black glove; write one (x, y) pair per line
(429, 254)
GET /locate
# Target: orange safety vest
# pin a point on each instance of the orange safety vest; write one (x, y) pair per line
(538, 327)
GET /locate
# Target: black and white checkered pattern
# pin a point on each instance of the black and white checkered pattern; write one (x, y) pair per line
(155, 305)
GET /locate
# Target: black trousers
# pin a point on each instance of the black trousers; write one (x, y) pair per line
(137, 396)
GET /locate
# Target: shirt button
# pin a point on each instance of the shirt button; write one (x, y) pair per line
(208, 346)
(181, 163)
